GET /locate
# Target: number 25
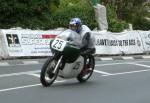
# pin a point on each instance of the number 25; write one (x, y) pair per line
(58, 44)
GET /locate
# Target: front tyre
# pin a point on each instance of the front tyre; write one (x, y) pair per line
(87, 70)
(47, 77)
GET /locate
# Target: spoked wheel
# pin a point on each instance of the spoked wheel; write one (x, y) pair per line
(47, 77)
(87, 70)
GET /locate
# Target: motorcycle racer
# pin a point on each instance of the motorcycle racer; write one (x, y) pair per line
(72, 56)
(80, 35)
(87, 39)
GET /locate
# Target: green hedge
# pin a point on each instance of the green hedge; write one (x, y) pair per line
(114, 24)
(24, 13)
(45, 14)
(62, 17)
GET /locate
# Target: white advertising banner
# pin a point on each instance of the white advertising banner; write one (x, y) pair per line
(118, 43)
(18, 43)
(28, 42)
(145, 35)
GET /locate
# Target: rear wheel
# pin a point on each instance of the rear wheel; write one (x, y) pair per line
(47, 77)
(87, 71)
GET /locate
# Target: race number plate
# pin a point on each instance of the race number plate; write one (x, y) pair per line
(58, 44)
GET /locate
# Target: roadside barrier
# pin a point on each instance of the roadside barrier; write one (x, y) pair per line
(26, 42)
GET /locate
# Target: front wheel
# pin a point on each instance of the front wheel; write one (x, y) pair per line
(88, 69)
(47, 77)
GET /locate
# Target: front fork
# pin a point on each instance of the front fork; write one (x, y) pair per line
(57, 65)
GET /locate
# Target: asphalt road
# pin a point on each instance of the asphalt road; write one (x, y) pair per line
(124, 81)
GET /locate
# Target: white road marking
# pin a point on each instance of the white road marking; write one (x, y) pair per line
(127, 58)
(101, 72)
(4, 64)
(146, 57)
(106, 73)
(107, 64)
(109, 74)
(15, 88)
(141, 61)
(37, 62)
(36, 75)
(37, 71)
(128, 72)
(30, 62)
(142, 65)
(20, 73)
(27, 86)
(106, 58)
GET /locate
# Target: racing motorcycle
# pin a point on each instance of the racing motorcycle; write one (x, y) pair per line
(67, 62)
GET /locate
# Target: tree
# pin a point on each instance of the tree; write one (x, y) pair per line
(132, 11)
(25, 13)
